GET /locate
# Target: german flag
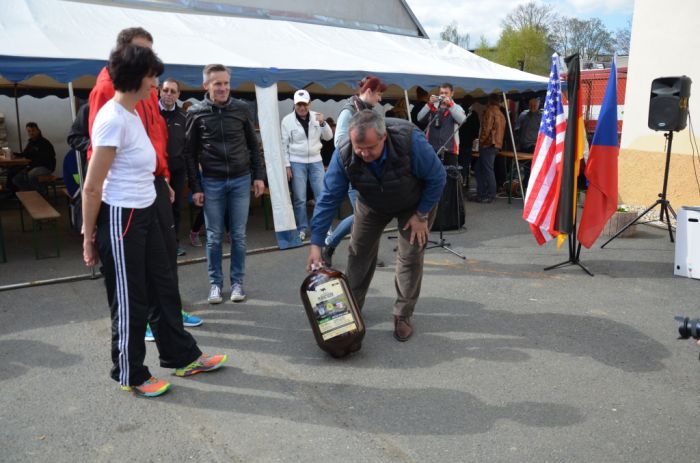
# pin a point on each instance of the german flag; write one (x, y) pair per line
(574, 147)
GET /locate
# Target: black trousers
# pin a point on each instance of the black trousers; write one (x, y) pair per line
(138, 273)
(167, 324)
(177, 182)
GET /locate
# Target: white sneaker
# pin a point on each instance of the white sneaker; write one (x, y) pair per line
(237, 293)
(215, 295)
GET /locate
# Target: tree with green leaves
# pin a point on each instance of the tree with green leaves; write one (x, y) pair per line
(527, 45)
(485, 50)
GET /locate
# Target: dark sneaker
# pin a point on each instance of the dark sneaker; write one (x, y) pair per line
(203, 364)
(380, 263)
(402, 328)
(195, 241)
(327, 255)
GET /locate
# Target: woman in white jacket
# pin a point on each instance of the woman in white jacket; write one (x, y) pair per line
(302, 132)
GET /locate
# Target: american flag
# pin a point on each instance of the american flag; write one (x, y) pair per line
(543, 188)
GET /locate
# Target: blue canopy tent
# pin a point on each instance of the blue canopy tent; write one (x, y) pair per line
(54, 44)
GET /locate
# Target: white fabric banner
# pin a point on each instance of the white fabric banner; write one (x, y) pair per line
(269, 119)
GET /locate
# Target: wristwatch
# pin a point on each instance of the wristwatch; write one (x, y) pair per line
(422, 216)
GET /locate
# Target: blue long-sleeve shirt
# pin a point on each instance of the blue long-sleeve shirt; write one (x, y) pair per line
(425, 165)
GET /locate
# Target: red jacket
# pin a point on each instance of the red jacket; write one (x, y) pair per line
(149, 111)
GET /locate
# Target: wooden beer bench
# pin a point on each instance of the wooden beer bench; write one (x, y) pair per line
(41, 213)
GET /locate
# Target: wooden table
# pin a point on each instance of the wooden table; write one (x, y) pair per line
(4, 162)
(527, 157)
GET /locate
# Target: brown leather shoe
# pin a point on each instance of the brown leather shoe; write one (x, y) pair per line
(402, 328)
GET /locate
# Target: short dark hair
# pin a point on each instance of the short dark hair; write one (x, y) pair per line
(365, 120)
(447, 85)
(209, 68)
(33, 125)
(128, 65)
(172, 80)
(495, 98)
(125, 36)
(421, 93)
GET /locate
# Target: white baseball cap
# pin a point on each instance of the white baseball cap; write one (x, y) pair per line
(301, 96)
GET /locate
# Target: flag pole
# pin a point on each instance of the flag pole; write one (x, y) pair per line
(566, 211)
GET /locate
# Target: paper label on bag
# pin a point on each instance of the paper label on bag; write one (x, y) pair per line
(332, 309)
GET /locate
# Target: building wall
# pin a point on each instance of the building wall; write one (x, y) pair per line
(664, 43)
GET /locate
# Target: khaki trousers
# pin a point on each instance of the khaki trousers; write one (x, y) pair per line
(366, 233)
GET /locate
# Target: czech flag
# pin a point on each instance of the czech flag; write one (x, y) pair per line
(601, 168)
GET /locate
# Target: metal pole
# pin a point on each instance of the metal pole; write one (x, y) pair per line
(19, 129)
(408, 111)
(71, 97)
(515, 150)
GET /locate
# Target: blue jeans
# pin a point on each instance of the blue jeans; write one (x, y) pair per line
(220, 195)
(345, 225)
(303, 173)
(485, 176)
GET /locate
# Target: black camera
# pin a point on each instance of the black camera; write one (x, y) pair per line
(688, 327)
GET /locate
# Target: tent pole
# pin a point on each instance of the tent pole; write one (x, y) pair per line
(19, 130)
(408, 110)
(515, 149)
(71, 97)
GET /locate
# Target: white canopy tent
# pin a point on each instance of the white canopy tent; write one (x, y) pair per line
(60, 42)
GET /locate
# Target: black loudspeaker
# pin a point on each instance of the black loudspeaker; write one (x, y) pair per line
(668, 104)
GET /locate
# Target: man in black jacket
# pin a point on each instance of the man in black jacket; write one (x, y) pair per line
(175, 118)
(42, 159)
(221, 140)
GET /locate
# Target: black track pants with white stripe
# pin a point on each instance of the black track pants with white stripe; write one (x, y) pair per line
(136, 266)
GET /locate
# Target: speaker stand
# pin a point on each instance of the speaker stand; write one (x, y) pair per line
(662, 201)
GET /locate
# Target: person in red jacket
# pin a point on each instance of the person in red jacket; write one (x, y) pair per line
(157, 130)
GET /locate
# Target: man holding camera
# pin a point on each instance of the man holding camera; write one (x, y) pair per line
(443, 117)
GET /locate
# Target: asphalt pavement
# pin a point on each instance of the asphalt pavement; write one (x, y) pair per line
(507, 363)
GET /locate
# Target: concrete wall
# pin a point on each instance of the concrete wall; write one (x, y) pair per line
(664, 43)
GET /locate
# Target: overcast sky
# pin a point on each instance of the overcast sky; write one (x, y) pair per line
(478, 17)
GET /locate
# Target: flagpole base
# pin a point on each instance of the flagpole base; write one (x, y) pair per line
(567, 263)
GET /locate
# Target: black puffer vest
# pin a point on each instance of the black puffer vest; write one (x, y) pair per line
(397, 189)
(354, 105)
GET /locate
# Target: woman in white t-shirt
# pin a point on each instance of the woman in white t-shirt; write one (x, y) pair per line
(121, 229)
